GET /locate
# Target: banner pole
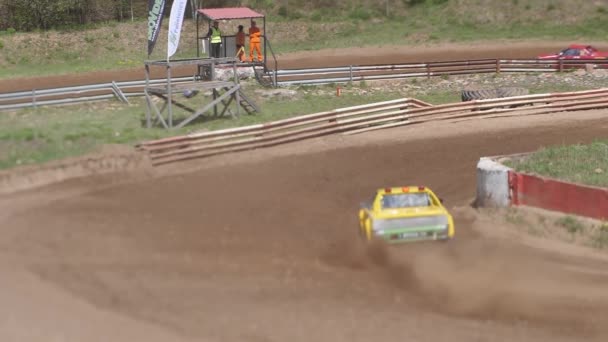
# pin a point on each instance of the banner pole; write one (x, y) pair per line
(156, 11)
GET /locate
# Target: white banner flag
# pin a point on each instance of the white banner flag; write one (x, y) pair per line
(175, 25)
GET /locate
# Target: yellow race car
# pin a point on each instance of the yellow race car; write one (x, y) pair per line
(401, 214)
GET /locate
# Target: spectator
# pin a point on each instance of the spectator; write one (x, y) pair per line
(240, 44)
(254, 41)
(215, 41)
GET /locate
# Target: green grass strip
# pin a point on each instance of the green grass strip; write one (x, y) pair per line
(584, 164)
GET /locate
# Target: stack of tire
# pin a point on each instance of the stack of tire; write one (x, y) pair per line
(492, 93)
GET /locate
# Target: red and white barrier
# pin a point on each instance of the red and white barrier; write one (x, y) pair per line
(552, 194)
(501, 186)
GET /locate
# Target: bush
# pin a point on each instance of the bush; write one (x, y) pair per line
(29, 15)
(360, 14)
(292, 14)
(413, 2)
(282, 11)
(325, 14)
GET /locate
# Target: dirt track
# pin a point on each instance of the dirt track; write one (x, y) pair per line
(261, 246)
(264, 249)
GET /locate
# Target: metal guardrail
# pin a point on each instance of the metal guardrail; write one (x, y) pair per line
(358, 119)
(76, 94)
(274, 58)
(307, 76)
(346, 74)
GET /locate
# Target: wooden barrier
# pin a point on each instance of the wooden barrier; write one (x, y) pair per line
(364, 118)
(511, 106)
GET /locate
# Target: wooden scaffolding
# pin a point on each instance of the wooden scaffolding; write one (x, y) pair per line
(224, 93)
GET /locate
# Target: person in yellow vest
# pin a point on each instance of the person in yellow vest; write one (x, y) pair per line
(254, 41)
(215, 39)
(240, 44)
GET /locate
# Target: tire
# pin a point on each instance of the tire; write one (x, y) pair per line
(478, 94)
(511, 91)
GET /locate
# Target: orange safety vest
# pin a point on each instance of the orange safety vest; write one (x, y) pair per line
(254, 34)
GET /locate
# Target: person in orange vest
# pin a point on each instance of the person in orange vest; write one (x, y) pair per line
(254, 41)
(240, 44)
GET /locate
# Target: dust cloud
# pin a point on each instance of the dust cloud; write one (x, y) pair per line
(480, 277)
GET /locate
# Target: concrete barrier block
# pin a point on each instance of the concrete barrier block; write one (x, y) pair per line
(492, 184)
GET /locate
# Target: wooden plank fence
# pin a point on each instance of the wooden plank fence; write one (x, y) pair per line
(363, 118)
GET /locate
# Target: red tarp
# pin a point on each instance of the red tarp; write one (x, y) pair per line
(229, 13)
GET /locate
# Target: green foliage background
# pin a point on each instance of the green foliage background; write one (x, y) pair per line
(27, 15)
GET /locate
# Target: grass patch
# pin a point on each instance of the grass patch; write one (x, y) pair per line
(585, 164)
(514, 217)
(571, 224)
(578, 230)
(600, 238)
(555, 88)
(440, 97)
(38, 135)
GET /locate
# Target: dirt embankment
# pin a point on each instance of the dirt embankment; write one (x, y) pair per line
(109, 160)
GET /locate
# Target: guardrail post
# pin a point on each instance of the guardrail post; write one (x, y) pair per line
(350, 73)
(498, 66)
(34, 98)
(428, 71)
(119, 93)
(561, 65)
(276, 70)
(170, 96)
